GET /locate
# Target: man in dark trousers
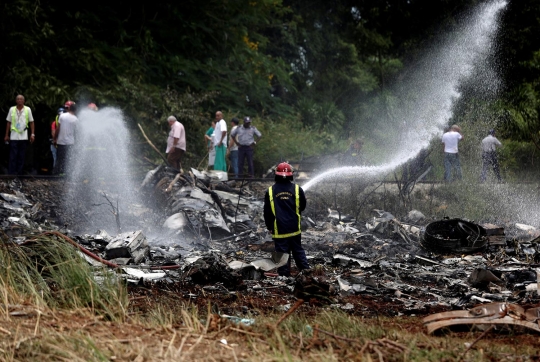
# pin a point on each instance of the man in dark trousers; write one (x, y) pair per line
(283, 203)
(244, 137)
(489, 155)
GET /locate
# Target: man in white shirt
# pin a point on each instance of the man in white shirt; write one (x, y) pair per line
(176, 143)
(451, 157)
(220, 142)
(19, 119)
(489, 155)
(64, 137)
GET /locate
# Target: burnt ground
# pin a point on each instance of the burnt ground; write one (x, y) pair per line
(385, 275)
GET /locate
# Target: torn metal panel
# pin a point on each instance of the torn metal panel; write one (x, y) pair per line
(482, 277)
(197, 193)
(128, 245)
(267, 264)
(144, 275)
(188, 203)
(176, 221)
(16, 200)
(213, 218)
(350, 260)
(10, 207)
(487, 314)
(233, 198)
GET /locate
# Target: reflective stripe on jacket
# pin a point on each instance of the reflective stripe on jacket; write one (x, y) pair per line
(14, 121)
(287, 219)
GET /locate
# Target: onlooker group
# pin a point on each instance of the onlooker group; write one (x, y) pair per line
(19, 119)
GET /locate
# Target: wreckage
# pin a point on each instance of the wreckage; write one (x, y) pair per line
(212, 236)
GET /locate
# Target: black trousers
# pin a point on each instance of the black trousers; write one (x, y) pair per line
(489, 160)
(292, 245)
(63, 155)
(17, 152)
(245, 153)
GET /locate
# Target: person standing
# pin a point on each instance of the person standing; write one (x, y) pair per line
(232, 150)
(176, 143)
(64, 137)
(451, 157)
(489, 155)
(220, 142)
(353, 155)
(283, 205)
(244, 137)
(209, 139)
(19, 119)
(53, 132)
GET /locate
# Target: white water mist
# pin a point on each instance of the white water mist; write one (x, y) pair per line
(433, 91)
(100, 179)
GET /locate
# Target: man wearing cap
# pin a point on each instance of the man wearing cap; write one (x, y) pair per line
(232, 150)
(489, 155)
(220, 142)
(244, 137)
(451, 157)
(19, 119)
(176, 143)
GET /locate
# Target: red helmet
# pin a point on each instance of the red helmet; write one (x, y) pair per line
(284, 169)
(92, 106)
(68, 104)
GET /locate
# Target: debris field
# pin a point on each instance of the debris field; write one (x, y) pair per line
(202, 240)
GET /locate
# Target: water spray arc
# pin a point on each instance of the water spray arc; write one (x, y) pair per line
(434, 89)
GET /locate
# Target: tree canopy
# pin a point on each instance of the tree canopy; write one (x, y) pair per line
(321, 66)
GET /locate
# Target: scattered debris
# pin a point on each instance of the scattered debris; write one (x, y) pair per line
(454, 236)
(207, 237)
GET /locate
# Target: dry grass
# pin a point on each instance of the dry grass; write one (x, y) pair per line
(53, 309)
(80, 335)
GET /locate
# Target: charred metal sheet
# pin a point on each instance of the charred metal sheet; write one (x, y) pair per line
(482, 277)
(454, 236)
(350, 260)
(487, 314)
(128, 245)
(211, 268)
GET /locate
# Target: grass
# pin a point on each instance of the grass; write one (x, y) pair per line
(53, 308)
(49, 273)
(332, 336)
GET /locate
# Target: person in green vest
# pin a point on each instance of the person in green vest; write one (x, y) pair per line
(19, 119)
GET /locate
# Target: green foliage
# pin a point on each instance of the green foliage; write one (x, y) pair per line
(289, 140)
(330, 63)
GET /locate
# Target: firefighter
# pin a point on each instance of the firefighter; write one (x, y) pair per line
(283, 203)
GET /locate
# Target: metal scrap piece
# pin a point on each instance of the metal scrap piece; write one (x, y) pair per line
(492, 313)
